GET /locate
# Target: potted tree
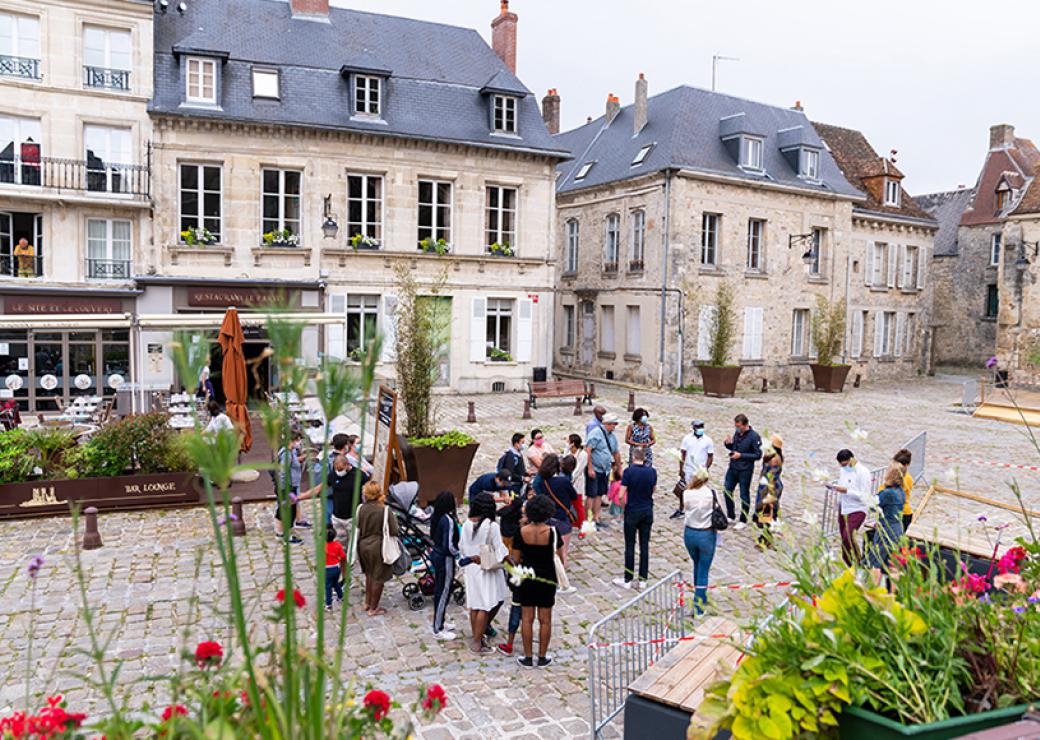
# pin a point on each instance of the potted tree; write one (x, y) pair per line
(828, 330)
(719, 378)
(438, 461)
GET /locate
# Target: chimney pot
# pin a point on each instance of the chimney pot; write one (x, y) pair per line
(1001, 136)
(312, 8)
(798, 106)
(639, 109)
(551, 111)
(613, 107)
(503, 36)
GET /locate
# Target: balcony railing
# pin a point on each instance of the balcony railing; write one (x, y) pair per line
(108, 269)
(23, 267)
(23, 67)
(109, 79)
(77, 174)
(635, 265)
(610, 267)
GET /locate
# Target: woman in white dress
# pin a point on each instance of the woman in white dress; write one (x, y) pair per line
(581, 459)
(485, 587)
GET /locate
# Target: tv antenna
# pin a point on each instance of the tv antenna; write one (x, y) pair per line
(715, 59)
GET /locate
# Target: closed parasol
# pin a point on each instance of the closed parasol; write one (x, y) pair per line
(234, 375)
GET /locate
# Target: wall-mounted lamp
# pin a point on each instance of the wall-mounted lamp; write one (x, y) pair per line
(809, 255)
(1022, 263)
(329, 228)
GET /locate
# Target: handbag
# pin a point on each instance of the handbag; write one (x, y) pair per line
(562, 581)
(719, 521)
(404, 562)
(391, 547)
(488, 557)
(571, 512)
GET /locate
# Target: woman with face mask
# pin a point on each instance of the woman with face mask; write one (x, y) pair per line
(341, 484)
(536, 452)
(641, 434)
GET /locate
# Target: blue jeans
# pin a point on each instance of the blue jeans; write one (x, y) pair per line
(515, 612)
(743, 478)
(700, 543)
(332, 584)
(637, 523)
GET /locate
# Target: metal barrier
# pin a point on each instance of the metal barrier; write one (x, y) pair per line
(626, 642)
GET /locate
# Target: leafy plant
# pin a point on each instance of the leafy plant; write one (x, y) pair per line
(500, 355)
(502, 250)
(721, 326)
(363, 240)
(420, 324)
(828, 329)
(443, 441)
(437, 246)
(281, 238)
(198, 235)
(356, 355)
(16, 464)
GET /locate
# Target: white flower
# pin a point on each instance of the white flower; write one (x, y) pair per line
(673, 453)
(588, 528)
(952, 475)
(859, 434)
(819, 475)
(810, 518)
(519, 573)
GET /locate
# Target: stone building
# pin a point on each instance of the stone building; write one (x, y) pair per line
(75, 185)
(669, 196)
(309, 152)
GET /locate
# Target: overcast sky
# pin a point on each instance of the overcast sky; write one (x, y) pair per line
(924, 77)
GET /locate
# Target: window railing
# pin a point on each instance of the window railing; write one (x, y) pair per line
(23, 67)
(110, 79)
(77, 174)
(108, 269)
(21, 267)
(610, 267)
(635, 265)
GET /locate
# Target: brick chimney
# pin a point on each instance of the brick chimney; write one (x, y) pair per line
(503, 36)
(798, 106)
(1001, 136)
(551, 111)
(639, 108)
(613, 107)
(318, 9)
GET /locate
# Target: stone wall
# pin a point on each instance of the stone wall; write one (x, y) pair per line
(964, 335)
(1018, 328)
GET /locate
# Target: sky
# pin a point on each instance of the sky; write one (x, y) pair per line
(924, 77)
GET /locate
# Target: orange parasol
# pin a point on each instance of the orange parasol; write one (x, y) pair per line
(234, 375)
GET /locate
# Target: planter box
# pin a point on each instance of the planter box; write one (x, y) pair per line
(720, 382)
(119, 493)
(829, 378)
(857, 723)
(438, 470)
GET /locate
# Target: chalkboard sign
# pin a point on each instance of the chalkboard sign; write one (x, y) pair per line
(386, 453)
(387, 406)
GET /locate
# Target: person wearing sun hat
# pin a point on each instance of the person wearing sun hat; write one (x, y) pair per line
(604, 456)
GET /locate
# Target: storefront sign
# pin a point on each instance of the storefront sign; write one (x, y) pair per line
(115, 380)
(121, 493)
(239, 297)
(61, 305)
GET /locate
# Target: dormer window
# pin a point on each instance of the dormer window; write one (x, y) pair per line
(752, 151)
(368, 95)
(504, 114)
(892, 192)
(584, 171)
(201, 81)
(641, 155)
(1003, 198)
(265, 83)
(810, 164)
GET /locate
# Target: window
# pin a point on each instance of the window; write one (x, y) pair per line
(109, 159)
(637, 245)
(362, 323)
(900, 338)
(584, 171)
(201, 193)
(19, 46)
(810, 164)
(800, 327)
(108, 248)
(908, 335)
(641, 155)
(877, 264)
(568, 326)
(367, 97)
(633, 341)
(265, 83)
(281, 199)
(816, 245)
(20, 150)
(884, 333)
(753, 149)
(365, 207)
(202, 81)
(752, 349)
(911, 260)
(611, 243)
(434, 210)
(892, 192)
(859, 321)
(755, 231)
(500, 221)
(606, 330)
(106, 58)
(710, 239)
(992, 302)
(504, 115)
(499, 326)
(570, 264)
(1003, 198)
(994, 249)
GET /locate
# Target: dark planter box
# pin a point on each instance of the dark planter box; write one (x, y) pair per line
(829, 378)
(720, 382)
(366, 248)
(857, 723)
(119, 493)
(438, 470)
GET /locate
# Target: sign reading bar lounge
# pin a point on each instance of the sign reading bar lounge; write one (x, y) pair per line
(239, 297)
(61, 305)
(121, 493)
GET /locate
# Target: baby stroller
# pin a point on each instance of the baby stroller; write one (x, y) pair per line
(414, 534)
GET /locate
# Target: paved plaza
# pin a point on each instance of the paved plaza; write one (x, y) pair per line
(143, 579)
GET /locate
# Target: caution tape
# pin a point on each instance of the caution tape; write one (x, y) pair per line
(738, 586)
(993, 464)
(659, 641)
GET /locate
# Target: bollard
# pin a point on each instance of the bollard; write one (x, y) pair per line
(855, 383)
(592, 391)
(527, 409)
(238, 521)
(765, 385)
(91, 536)
(797, 383)
(472, 417)
(631, 401)
(577, 406)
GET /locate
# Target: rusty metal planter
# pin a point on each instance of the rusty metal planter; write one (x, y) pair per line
(438, 470)
(829, 378)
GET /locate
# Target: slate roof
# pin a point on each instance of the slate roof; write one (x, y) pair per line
(683, 124)
(946, 208)
(1020, 159)
(433, 92)
(859, 161)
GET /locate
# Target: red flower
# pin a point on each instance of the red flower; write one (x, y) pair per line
(435, 699)
(173, 710)
(51, 721)
(208, 653)
(297, 597)
(1011, 560)
(378, 702)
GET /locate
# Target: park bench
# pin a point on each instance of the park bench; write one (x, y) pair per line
(576, 389)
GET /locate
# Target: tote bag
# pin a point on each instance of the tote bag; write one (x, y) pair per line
(562, 581)
(391, 547)
(488, 557)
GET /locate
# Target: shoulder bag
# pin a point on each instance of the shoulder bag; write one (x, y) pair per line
(562, 581)
(719, 521)
(391, 547)
(488, 557)
(572, 513)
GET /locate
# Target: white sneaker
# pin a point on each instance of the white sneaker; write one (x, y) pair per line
(444, 635)
(450, 626)
(739, 526)
(623, 583)
(568, 590)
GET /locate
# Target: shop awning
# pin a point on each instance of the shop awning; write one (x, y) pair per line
(67, 321)
(212, 320)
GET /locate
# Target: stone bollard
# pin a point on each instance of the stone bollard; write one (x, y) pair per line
(797, 383)
(527, 409)
(592, 391)
(471, 418)
(765, 385)
(91, 535)
(577, 406)
(855, 383)
(631, 401)
(238, 521)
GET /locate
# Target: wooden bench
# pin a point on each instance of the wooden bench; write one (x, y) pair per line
(576, 389)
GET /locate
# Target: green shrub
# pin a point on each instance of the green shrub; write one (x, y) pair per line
(828, 329)
(16, 464)
(453, 438)
(145, 441)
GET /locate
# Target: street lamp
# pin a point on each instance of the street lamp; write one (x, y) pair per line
(1022, 264)
(329, 228)
(809, 255)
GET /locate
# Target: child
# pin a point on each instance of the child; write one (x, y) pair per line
(293, 456)
(335, 563)
(765, 516)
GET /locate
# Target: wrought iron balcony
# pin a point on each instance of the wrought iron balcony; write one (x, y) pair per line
(91, 175)
(21, 267)
(635, 265)
(27, 69)
(107, 79)
(108, 269)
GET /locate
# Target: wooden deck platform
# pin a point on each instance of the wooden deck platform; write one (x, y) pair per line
(1014, 407)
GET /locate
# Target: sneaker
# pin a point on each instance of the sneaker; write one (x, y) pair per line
(677, 514)
(739, 526)
(444, 635)
(449, 625)
(623, 583)
(490, 632)
(294, 540)
(568, 590)
(505, 648)
(544, 661)
(525, 662)
(303, 524)
(328, 607)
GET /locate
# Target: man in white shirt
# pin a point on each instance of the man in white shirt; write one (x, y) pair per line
(697, 451)
(855, 498)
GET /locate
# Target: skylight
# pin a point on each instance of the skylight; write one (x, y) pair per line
(641, 155)
(584, 170)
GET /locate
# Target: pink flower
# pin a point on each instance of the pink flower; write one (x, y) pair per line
(1011, 582)
(173, 710)
(436, 699)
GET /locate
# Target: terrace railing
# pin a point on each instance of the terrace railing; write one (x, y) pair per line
(92, 176)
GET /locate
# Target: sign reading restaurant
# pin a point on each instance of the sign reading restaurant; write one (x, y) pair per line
(239, 297)
(62, 305)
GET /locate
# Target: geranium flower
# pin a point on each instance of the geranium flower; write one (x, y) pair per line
(588, 528)
(174, 710)
(991, 362)
(377, 702)
(208, 653)
(905, 553)
(435, 699)
(297, 597)
(1011, 560)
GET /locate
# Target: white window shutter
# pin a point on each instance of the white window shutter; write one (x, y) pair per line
(388, 353)
(868, 268)
(922, 264)
(478, 330)
(879, 333)
(335, 339)
(749, 323)
(897, 350)
(892, 257)
(900, 275)
(524, 329)
(857, 334)
(757, 333)
(704, 322)
(813, 354)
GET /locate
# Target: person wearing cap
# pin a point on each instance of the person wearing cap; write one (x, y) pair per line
(697, 452)
(855, 498)
(604, 457)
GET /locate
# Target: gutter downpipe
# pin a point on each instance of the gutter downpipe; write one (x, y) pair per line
(848, 309)
(682, 333)
(665, 226)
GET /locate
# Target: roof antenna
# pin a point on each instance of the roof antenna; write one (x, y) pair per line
(715, 59)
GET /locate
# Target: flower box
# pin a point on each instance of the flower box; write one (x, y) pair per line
(857, 723)
(118, 493)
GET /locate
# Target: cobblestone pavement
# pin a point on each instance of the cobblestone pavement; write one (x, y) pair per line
(141, 580)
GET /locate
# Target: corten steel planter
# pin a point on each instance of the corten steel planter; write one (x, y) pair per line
(720, 382)
(438, 470)
(829, 378)
(118, 493)
(857, 723)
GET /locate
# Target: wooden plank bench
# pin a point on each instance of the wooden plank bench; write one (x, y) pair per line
(576, 389)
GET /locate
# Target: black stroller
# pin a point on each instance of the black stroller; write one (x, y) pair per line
(416, 539)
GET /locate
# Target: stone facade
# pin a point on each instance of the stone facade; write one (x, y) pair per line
(965, 324)
(1018, 325)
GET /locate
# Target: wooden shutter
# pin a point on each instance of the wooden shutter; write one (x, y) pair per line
(879, 333)
(335, 339)
(897, 349)
(752, 333)
(524, 329)
(900, 276)
(857, 334)
(922, 264)
(892, 257)
(749, 323)
(388, 353)
(759, 315)
(704, 323)
(478, 330)
(868, 268)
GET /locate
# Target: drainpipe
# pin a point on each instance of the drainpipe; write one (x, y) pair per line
(848, 309)
(665, 223)
(682, 334)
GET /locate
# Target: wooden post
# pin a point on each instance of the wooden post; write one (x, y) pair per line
(797, 383)
(238, 521)
(765, 385)
(592, 390)
(91, 535)
(855, 383)
(577, 406)
(527, 408)
(472, 417)
(631, 401)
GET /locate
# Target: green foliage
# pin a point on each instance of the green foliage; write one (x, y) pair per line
(828, 329)
(281, 238)
(50, 447)
(501, 250)
(436, 246)
(196, 236)
(500, 355)
(420, 324)
(16, 463)
(453, 438)
(363, 240)
(722, 326)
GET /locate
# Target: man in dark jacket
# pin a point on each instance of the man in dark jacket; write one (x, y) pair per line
(745, 449)
(513, 462)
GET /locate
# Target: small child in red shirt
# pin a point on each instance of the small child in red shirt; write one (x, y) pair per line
(335, 563)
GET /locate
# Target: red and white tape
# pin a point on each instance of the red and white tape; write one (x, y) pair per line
(739, 586)
(660, 641)
(993, 464)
